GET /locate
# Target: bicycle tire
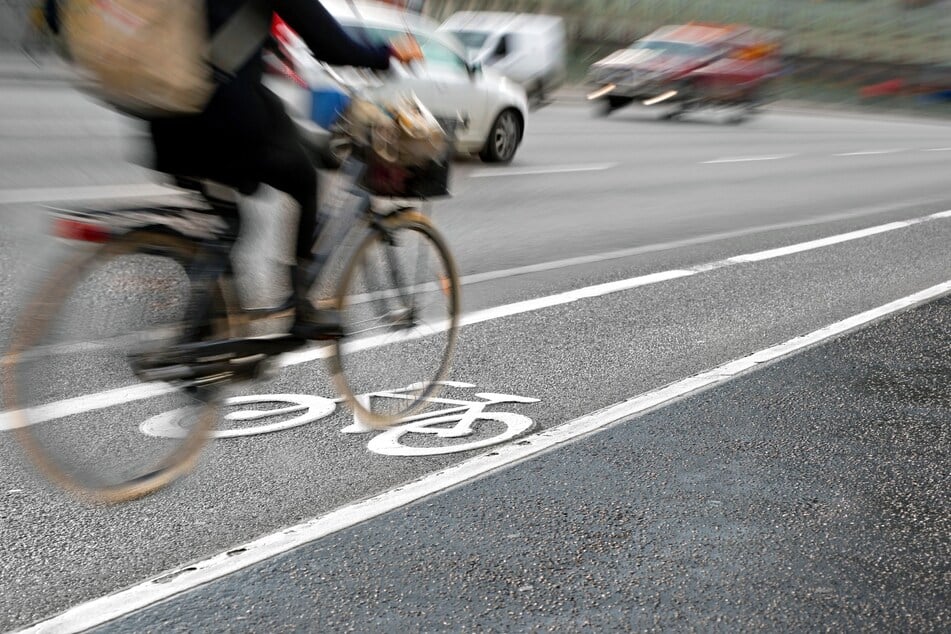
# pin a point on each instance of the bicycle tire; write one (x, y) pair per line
(35, 338)
(421, 342)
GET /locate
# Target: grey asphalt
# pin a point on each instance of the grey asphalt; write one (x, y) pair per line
(812, 495)
(657, 196)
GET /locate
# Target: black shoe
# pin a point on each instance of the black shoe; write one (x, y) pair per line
(322, 324)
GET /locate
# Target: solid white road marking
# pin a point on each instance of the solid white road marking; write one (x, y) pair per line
(534, 171)
(77, 194)
(746, 159)
(9, 420)
(937, 149)
(173, 582)
(815, 244)
(552, 265)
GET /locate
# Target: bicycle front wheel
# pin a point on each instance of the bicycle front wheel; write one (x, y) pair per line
(70, 375)
(399, 303)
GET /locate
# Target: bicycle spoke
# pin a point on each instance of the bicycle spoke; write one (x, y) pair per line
(78, 395)
(399, 304)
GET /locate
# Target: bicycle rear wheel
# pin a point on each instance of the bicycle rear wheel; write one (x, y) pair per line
(70, 379)
(399, 303)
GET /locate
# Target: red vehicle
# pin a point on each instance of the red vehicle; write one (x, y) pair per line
(689, 66)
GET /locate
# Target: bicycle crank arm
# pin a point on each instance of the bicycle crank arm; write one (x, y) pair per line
(208, 352)
(243, 368)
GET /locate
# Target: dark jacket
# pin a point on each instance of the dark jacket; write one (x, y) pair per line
(226, 142)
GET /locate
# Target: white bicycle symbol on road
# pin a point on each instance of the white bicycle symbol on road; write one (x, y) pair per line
(459, 420)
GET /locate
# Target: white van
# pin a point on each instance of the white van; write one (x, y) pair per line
(526, 48)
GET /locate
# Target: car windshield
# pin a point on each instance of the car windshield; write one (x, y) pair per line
(472, 40)
(680, 49)
(434, 52)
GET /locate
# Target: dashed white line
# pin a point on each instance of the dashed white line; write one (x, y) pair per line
(104, 192)
(937, 149)
(747, 159)
(535, 171)
(11, 419)
(174, 582)
(870, 152)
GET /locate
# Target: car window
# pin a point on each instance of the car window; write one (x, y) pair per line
(473, 40)
(503, 47)
(437, 55)
(680, 49)
(374, 36)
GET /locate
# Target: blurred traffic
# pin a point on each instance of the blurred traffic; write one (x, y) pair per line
(494, 108)
(692, 66)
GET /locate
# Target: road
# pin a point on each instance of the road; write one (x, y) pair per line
(803, 488)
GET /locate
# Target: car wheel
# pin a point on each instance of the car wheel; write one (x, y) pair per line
(741, 114)
(602, 108)
(609, 104)
(504, 137)
(673, 114)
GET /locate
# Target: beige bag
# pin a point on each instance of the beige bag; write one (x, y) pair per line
(154, 57)
(403, 133)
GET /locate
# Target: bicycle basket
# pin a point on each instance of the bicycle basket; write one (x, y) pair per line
(406, 151)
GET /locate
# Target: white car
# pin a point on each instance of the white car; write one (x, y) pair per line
(493, 108)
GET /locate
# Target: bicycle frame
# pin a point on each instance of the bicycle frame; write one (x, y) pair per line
(347, 220)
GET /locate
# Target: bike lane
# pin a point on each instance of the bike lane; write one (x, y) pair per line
(576, 358)
(810, 494)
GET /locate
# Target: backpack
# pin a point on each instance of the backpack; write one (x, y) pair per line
(154, 58)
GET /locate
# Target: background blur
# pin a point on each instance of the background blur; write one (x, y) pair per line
(877, 53)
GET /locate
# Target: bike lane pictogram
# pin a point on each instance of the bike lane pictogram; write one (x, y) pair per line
(448, 425)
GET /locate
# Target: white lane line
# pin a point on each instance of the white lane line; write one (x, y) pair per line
(534, 171)
(43, 129)
(747, 159)
(103, 192)
(937, 149)
(10, 420)
(816, 244)
(174, 582)
(870, 152)
(552, 265)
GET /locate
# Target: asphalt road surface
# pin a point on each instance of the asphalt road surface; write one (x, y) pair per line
(618, 276)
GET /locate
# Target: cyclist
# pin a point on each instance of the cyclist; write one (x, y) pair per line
(245, 138)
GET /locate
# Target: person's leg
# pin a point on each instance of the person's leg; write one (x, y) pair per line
(286, 166)
(291, 172)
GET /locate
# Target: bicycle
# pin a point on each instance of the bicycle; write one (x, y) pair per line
(150, 321)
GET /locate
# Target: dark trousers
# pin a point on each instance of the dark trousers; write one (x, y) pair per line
(242, 144)
(287, 167)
